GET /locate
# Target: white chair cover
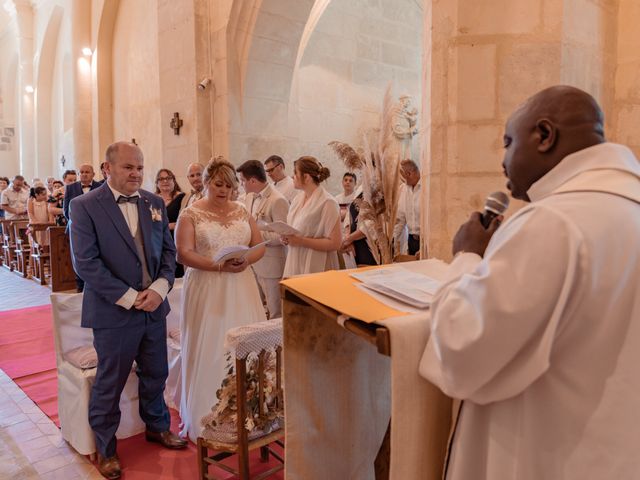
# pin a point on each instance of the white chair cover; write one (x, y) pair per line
(74, 384)
(174, 379)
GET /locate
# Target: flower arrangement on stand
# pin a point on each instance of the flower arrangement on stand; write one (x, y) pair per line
(224, 415)
(379, 162)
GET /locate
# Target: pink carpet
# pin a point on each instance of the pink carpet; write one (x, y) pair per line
(27, 355)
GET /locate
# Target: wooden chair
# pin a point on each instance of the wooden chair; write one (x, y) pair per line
(8, 245)
(40, 257)
(254, 348)
(22, 248)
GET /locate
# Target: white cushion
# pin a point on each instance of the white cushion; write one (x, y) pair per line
(82, 357)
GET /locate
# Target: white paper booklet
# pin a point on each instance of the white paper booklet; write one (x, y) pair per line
(235, 251)
(278, 227)
(414, 289)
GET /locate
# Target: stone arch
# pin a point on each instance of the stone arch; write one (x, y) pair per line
(264, 48)
(44, 87)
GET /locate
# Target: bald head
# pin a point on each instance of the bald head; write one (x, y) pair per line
(552, 124)
(124, 167)
(116, 148)
(86, 174)
(194, 175)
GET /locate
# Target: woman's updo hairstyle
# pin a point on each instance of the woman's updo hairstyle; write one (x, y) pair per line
(218, 166)
(312, 167)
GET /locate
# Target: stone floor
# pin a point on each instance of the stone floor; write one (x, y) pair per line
(18, 292)
(31, 446)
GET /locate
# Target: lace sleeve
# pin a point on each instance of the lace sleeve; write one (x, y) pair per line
(242, 213)
(190, 214)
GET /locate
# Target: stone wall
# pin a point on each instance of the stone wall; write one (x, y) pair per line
(136, 84)
(316, 75)
(483, 59)
(625, 116)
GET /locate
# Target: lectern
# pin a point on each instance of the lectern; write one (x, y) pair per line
(351, 365)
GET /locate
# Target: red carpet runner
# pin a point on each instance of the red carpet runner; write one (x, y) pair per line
(27, 355)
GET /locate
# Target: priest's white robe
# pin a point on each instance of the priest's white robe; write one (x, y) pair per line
(541, 338)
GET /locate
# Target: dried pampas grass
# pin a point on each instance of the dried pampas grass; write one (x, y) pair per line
(380, 165)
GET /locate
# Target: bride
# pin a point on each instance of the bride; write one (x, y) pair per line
(216, 297)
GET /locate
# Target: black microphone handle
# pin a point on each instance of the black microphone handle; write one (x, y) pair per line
(487, 217)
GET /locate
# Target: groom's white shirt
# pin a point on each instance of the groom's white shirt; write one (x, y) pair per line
(130, 213)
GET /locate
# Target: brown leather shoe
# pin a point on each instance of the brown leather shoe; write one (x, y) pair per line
(109, 467)
(166, 439)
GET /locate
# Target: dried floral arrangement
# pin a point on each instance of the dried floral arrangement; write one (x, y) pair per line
(224, 415)
(379, 163)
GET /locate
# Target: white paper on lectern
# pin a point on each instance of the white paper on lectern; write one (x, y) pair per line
(278, 227)
(412, 288)
(389, 301)
(235, 252)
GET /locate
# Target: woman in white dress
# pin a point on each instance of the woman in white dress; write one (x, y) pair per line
(216, 297)
(316, 215)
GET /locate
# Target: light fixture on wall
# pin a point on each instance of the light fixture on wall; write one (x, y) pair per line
(29, 89)
(204, 83)
(87, 52)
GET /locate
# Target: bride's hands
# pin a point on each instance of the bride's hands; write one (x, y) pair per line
(234, 265)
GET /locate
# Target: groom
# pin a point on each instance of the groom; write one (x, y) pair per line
(122, 249)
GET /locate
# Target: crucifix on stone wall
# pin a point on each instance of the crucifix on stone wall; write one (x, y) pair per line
(176, 123)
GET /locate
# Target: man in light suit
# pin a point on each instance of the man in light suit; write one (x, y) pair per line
(75, 189)
(266, 203)
(122, 248)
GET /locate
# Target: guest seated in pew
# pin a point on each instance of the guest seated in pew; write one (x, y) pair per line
(316, 215)
(539, 335)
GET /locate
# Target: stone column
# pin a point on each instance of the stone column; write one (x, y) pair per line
(626, 111)
(481, 60)
(82, 82)
(26, 106)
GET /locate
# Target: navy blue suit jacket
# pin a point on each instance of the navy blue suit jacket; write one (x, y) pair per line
(105, 256)
(72, 191)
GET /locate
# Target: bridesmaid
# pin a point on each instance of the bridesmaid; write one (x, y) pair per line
(316, 215)
(171, 193)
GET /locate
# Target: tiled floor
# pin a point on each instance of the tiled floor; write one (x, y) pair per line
(17, 292)
(31, 446)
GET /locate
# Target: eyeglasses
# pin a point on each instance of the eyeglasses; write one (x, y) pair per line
(164, 179)
(269, 170)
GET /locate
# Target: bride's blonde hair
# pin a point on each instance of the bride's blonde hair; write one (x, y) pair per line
(218, 166)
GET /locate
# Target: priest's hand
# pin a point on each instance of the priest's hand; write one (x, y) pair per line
(473, 237)
(148, 300)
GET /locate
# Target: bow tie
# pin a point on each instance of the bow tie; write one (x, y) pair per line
(131, 199)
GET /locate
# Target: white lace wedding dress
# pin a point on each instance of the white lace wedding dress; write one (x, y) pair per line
(212, 303)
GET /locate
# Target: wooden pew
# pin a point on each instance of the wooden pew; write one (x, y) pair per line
(22, 248)
(40, 258)
(63, 277)
(8, 245)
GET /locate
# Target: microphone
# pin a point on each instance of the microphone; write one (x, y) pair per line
(495, 204)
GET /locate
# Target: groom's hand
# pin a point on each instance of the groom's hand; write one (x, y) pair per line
(148, 300)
